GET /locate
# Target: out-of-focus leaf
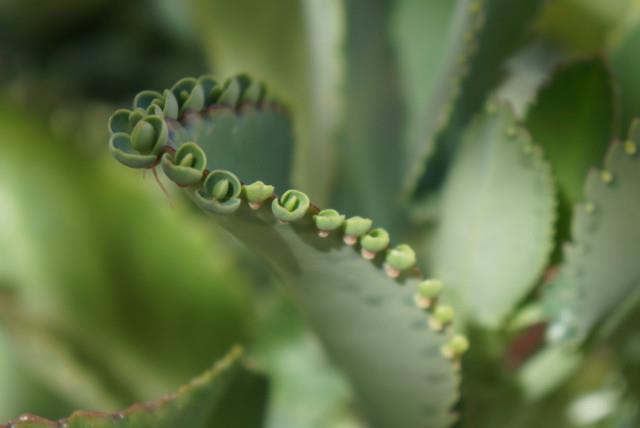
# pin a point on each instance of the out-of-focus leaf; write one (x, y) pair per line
(600, 278)
(625, 62)
(573, 120)
(306, 390)
(293, 45)
(526, 71)
(580, 27)
(371, 162)
(482, 36)
(197, 404)
(497, 218)
(89, 249)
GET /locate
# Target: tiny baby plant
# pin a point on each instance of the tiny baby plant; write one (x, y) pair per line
(464, 253)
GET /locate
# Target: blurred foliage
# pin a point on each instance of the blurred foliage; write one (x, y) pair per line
(112, 292)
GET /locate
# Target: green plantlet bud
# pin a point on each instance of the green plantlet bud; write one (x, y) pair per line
(328, 220)
(291, 206)
(169, 105)
(145, 99)
(122, 150)
(374, 242)
(442, 316)
(221, 189)
(233, 90)
(211, 88)
(189, 95)
(186, 166)
(456, 347)
(630, 148)
(256, 193)
(254, 93)
(119, 121)
(430, 288)
(399, 259)
(606, 176)
(220, 192)
(149, 135)
(136, 116)
(354, 228)
(428, 292)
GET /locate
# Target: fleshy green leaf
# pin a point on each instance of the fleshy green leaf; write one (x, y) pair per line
(573, 120)
(482, 35)
(600, 277)
(498, 211)
(625, 63)
(351, 301)
(193, 405)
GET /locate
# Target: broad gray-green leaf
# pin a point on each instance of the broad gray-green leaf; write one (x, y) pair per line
(401, 361)
(600, 278)
(483, 34)
(371, 166)
(295, 46)
(193, 405)
(497, 218)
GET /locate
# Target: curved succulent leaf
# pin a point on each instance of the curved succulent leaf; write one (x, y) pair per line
(371, 165)
(366, 311)
(498, 212)
(199, 404)
(482, 35)
(600, 277)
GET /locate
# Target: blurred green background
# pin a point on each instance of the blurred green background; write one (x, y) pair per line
(111, 294)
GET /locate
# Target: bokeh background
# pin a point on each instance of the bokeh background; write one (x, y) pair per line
(113, 292)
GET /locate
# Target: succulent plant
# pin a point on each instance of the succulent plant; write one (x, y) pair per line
(492, 254)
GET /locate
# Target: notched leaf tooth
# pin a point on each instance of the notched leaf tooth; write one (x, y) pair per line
(399, 259)
(354, 228)
(186, 166)
(256, 193)
(291, 206)
(373, 242)
(327, 221)
(220, 192)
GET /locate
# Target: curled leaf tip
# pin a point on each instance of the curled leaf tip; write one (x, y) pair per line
(220, 192)
(327, 221)
(373, 242)
(355, 227)
(186, 166)
(257, 192)
(189, 95)
(399, 259)
(119, 121)
(291, 206)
